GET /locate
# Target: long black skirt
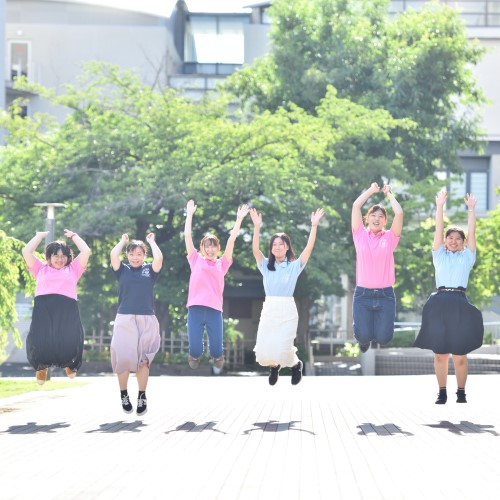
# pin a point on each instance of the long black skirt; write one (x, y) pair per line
(450, 324)
(56, 333)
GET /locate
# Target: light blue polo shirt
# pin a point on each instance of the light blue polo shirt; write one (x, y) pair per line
(453, 268)
(280, 283)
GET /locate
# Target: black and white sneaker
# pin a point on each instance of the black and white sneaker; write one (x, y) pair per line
(142, 407)
(126, 404)
(297, 373)
(274, 374)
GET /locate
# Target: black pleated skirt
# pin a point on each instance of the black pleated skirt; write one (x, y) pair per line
(450, 324)
(56, 333)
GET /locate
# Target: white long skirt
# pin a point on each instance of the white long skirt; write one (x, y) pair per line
(276, 333)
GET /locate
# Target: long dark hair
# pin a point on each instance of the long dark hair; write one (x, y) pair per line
(54, 247)
(290, 254)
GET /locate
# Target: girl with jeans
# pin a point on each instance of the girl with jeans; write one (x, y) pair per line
(206, 286)
(374, 302)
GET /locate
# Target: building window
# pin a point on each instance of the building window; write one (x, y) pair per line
(472, 12)
(474, 179)
(215, 39)
(19, 58)
(264, 15)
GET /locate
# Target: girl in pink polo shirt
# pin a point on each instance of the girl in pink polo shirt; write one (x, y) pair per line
(374, 302)
(56, 331)
(206, 286)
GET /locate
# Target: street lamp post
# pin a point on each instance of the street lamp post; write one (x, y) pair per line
(50, 226)
(50, 221)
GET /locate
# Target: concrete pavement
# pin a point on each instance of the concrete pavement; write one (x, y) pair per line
(237, 438)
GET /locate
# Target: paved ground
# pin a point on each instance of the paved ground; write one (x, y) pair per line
(237, 438)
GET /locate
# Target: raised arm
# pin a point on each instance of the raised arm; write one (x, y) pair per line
(240, 215)
(83, 248)
(116, 252)
(356, 215)
(188, 238)
(397, 223)
(439, 231)
(470, 201)
(157, 255)
(31, 246)
(306, 253)
(257, 222)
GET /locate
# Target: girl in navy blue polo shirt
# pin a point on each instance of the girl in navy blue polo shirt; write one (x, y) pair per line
(450, 323)
(136, 332)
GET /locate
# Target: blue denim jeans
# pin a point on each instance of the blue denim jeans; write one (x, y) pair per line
(373, 314)
(200, 318)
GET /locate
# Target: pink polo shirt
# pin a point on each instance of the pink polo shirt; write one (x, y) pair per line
(206, 283)
(61, 281)
(374, 257)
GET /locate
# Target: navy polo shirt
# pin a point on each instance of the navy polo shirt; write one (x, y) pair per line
(135, 289)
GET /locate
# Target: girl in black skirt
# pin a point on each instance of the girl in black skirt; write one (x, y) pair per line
(450, 323)
(56, 331)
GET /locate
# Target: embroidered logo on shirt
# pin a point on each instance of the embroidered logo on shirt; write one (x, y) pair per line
(383, 243)
(145, 272)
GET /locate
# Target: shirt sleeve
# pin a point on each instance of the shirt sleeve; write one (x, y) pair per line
(471, 256)
(262, 267)
(226, 264)
(35, 268)
(358, 234)
(437, 254)
(192, 259)
(77, 269)
(394, 240)
(118, 272)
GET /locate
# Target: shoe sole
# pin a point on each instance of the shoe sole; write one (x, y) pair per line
(142, 414)
(128, 412)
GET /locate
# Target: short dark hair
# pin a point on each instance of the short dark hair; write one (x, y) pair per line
(290, 254)
(54, 247)
(375, 208)
(455, 229)
(137, 244)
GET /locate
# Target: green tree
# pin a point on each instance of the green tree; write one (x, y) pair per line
(12, 271)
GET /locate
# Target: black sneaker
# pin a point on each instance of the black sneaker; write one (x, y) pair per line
(442, 398)
(142, 407)
(274, 374)
(364, 347)
(297, 373)
(461, 396)
(126, 405)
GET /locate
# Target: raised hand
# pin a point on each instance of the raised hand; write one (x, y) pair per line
(124, 238)
(191, 207)
(386, 189)
(441, 198)
(374, 188)
(242, 211)
(150, 237)
(470, 201)
(316, 216)
(42, 234)
(256, 217)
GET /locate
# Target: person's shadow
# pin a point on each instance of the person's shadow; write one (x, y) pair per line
(382, 430)
(465, 427)
(276, 426)
(119, 426)
(193, 427)
(34, 428)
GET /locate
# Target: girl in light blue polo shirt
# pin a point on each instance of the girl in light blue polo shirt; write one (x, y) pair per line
(279, 318)
(450, 323)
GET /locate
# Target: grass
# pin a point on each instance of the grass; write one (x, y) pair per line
(15, 387)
